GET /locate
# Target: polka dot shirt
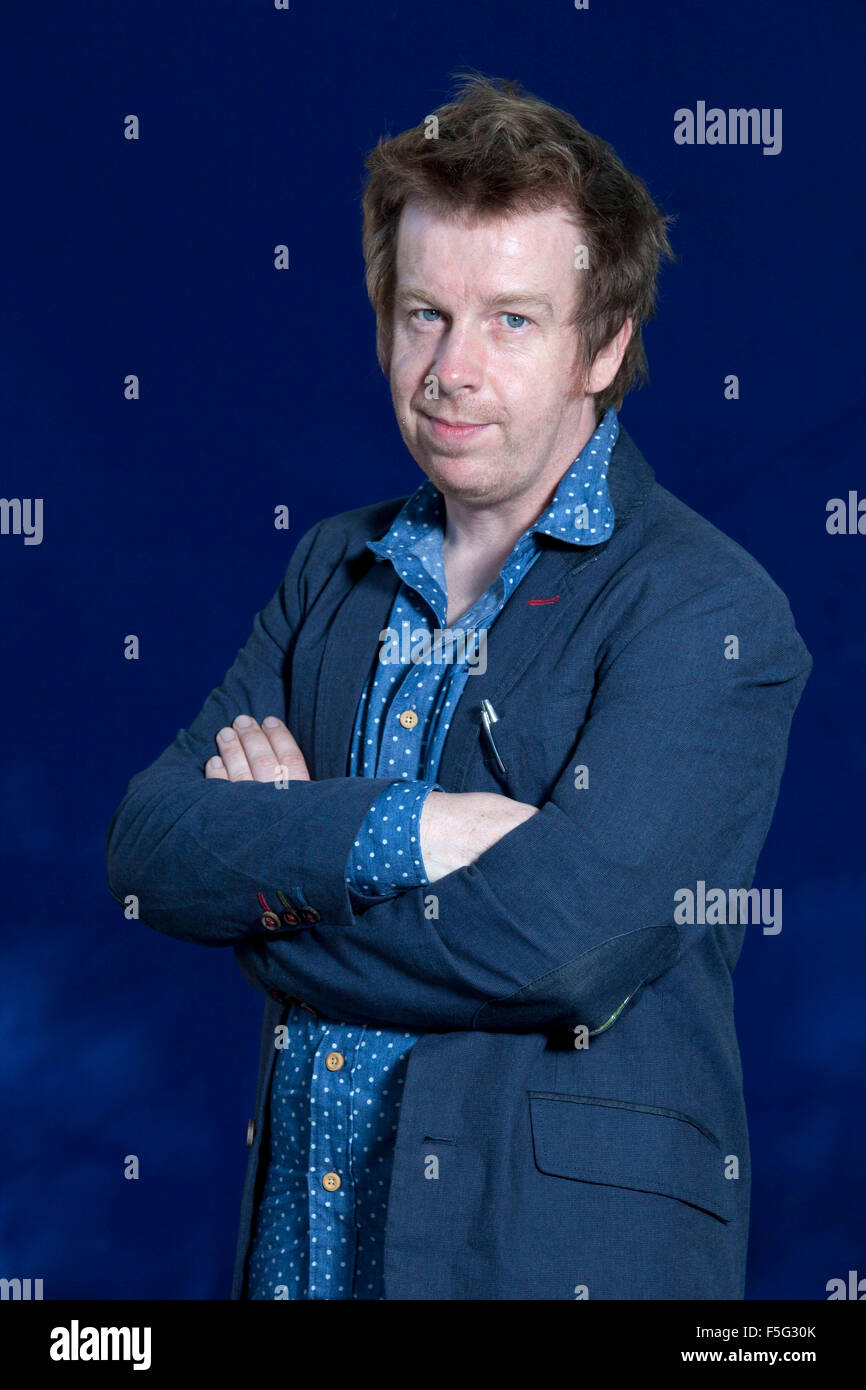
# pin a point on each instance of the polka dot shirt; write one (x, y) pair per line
(335, 1094)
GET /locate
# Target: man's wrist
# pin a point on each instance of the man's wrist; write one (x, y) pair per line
(458, 827)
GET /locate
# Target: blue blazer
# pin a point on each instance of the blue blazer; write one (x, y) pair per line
(645, 688)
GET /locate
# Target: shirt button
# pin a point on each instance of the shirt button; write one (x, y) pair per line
(251, 1133)
(408, 719)
(334, 1061)
(331, 1181)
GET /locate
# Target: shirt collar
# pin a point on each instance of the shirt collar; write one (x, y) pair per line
(580, 511)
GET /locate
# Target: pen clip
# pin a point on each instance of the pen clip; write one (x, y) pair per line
(489, 717)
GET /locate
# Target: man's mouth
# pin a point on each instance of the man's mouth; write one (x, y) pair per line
(444, 428)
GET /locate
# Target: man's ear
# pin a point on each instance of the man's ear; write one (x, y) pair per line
(608, 360)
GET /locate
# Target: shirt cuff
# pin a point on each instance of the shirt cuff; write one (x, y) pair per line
(386, 856)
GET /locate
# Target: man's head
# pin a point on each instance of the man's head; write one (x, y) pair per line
(511, 261)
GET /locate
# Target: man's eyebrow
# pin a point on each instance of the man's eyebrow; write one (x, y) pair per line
(520, 297)
(509, 297)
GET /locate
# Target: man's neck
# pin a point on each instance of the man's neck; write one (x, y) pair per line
(479, 539)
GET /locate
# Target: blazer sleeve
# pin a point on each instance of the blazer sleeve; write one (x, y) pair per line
(196, 852)
(569, 914)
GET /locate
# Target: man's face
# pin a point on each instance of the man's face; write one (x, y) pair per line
(483, 308)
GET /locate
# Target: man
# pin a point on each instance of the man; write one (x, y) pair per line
(496, 1061)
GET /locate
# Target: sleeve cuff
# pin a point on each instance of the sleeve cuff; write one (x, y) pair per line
(386, 857)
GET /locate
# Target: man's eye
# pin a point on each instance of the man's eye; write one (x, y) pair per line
(521, 318)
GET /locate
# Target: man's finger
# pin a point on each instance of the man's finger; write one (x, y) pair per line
(286, 749)
(215, 769)
(233, 756)
(263, 761)
(266, 761)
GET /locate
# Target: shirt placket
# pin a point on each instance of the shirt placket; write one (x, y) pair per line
(332, 1229)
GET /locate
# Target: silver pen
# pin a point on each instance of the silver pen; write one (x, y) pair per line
(489, 717)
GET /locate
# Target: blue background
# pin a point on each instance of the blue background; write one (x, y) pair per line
(258, 387)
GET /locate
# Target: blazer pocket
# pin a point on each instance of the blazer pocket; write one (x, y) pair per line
(536, 744)
(595, 1140)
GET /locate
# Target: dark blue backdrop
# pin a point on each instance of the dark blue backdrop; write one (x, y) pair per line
(155, 257)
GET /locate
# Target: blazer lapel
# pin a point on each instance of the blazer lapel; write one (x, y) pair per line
(522, 629)
(350, 650)
(515, 638)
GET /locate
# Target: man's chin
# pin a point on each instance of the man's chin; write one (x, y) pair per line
(460, 481)
(459, 475)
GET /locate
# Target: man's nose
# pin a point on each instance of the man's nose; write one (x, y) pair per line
(459, 361)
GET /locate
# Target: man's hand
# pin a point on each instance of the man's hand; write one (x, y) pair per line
(456, 827)
(250, 752)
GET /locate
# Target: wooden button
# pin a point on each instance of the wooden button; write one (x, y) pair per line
(331, 1181)
(334, 1061)
(408, 719)
(270, 921)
